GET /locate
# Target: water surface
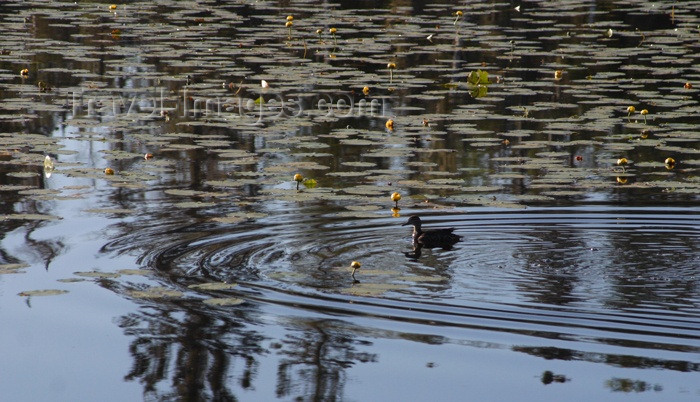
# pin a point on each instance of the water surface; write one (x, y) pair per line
(198, 271)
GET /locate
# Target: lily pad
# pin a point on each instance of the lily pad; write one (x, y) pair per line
(43, 292)
(224, 301)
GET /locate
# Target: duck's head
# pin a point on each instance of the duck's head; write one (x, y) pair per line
(413, 220)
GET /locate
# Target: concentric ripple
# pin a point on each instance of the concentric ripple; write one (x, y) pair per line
(594, 284)
(595, 255)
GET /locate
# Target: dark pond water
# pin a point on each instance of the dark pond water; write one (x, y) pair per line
(154, 244)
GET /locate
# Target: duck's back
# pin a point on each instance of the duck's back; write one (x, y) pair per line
(438, 238)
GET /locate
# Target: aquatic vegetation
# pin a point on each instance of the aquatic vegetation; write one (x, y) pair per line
(49, 166)
(478, 82)
(644, 113)
(42, 292)
(482, 132)
(396, 197)
(24, 72)
(355, 265)
(109, 171)
(289, 25)
(458, 14)
(332, 32)
(670, 163)
(391, 66)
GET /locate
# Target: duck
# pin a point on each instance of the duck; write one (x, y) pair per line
(431, 238)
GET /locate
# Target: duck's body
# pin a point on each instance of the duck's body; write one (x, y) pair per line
(431, 238)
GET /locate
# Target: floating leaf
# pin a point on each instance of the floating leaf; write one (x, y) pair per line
(30, 217)
(11, 268)
(478, 91)
(155, 292)
(213, 286)
(478, 77)
(310, 183)
(96, 274)
(130, 271)
(224, 301)
(44, 292)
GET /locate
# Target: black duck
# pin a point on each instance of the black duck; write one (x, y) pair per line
(431, 238)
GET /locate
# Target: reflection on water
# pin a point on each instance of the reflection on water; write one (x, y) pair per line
(574, 273)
